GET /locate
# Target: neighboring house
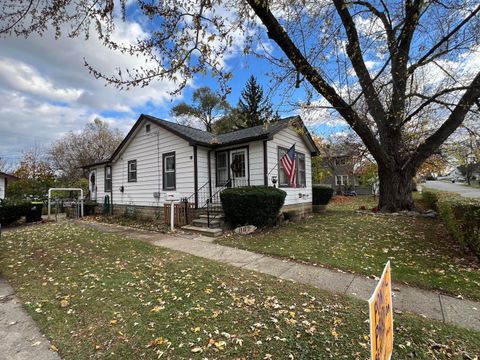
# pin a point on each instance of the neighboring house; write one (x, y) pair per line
(342, 171)
(4, 179)
(158, 157)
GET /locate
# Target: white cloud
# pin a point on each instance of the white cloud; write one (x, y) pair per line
(20, 76)
(46, 91)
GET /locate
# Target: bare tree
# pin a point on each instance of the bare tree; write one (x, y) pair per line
(4, 166)
(383, 66)
(96, 142)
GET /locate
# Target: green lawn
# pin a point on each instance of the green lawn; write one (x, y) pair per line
(102, 296)
(421, 251)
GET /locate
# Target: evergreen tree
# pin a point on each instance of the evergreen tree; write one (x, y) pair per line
(253, 108)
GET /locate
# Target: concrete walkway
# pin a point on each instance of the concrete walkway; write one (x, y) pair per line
(463, 313)
(458, 188)
(20, 338)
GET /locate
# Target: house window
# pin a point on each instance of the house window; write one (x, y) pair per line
(341, 180)
(300, 166)
(169, 171)
(132, 171)
(108, 178)
(222, 168)
(147, 128)
(282, 176)
(301, 173)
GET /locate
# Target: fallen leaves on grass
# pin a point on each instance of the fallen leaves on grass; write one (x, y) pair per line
(123, 294)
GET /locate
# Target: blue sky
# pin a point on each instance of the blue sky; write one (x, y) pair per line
(46, 91)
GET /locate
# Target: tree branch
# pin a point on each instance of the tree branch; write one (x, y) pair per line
(22, 15)
(455, 119)
(423, 60)
(277, 33)
(355, 54)
(400, 59)
(430, 99)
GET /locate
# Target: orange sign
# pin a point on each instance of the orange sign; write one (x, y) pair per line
(381, 318)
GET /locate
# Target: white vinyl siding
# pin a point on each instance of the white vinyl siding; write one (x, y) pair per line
(202, 165)
(2, 187)
(256, 163)
(285, 139)
(148, 148)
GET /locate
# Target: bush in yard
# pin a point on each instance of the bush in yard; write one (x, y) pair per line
(252, 205)
(430, 198)
(321, 195)
(460, 215)
(12, 211)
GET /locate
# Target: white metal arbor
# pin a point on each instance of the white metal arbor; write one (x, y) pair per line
(65, 189)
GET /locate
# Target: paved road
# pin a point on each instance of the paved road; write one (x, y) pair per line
(463, 190)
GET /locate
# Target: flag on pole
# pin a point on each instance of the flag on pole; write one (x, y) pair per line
(288, 164)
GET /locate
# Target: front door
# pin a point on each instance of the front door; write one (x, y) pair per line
(239, 167)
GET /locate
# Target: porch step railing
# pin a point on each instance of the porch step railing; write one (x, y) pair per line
(211, 204)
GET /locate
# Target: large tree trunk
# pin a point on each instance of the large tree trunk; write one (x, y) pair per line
(395, 189)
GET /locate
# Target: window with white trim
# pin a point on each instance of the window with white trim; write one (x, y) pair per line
(132, 171)
(341, 180)
(222, 168)
(169, 182)
(108, 178)
(301, 170)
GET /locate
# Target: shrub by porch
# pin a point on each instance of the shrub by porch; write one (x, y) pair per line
(252, 205)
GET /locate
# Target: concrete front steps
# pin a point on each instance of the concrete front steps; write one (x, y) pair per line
(200, 225)
(215, 232)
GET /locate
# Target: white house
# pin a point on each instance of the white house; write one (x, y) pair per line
(158, 157)
(4, 179)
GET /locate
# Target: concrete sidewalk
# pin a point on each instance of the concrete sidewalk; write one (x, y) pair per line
(463, 313)
(20, 337)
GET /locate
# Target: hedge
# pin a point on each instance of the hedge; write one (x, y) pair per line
(321, 194)
(252, 205)
(460, 215)
(12, 211)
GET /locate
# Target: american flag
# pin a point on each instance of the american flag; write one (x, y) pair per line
(288, 164)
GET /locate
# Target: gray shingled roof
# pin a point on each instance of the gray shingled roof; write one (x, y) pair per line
(200, 137)
(204, 137)
(253, 132)
(192, 134)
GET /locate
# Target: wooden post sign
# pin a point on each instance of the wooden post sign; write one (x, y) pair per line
(381, 318)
